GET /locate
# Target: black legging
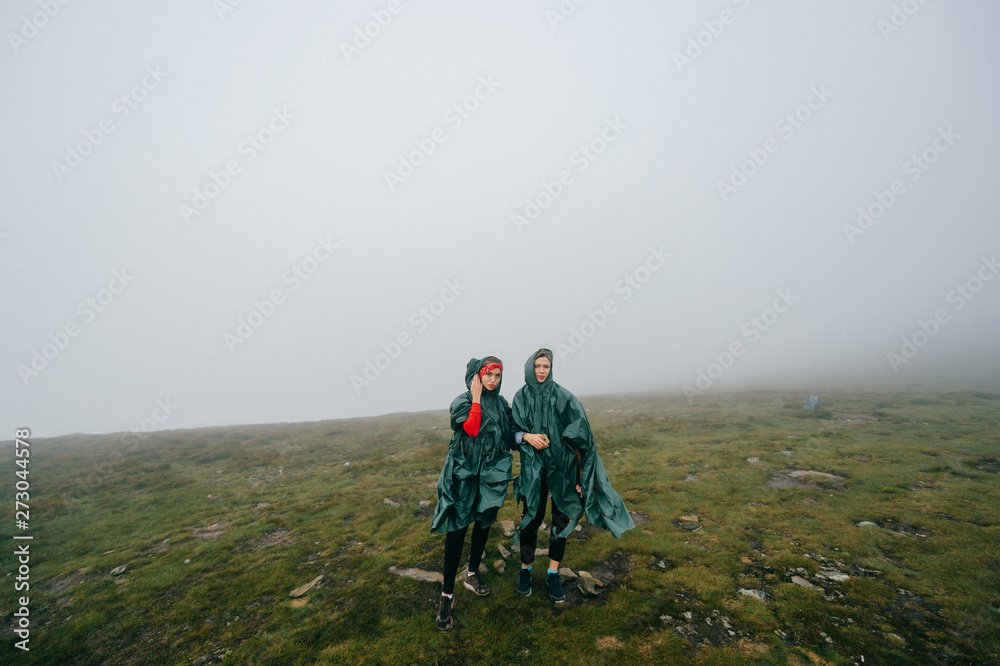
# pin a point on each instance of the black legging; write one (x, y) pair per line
(454, 542)
(529, 535)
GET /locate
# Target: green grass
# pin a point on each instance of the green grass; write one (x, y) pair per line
(259, 510)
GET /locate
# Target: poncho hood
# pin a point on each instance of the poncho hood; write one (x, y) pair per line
(472, 368)
(531, 382)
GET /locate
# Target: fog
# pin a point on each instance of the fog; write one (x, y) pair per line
(244, 212)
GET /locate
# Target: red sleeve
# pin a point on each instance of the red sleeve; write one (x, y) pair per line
(471, 424)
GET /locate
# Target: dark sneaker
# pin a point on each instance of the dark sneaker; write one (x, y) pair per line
(477, 586)
(444, 619)
(524, 582)
(555, 588)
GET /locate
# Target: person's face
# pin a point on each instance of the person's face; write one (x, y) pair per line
(491, 379)
(542, 368)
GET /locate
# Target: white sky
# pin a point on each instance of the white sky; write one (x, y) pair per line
(330, 125)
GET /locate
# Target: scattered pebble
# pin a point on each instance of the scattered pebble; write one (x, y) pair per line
(390, 502)
(425, 503)
(756, 594)
(188, 561)
(753, 459)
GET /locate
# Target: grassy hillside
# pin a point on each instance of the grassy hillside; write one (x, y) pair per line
(216, 526)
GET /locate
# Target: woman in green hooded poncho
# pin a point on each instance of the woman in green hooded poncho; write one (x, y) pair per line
(473, 483)
(558, 456)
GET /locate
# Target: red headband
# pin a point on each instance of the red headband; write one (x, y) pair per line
(489, 368)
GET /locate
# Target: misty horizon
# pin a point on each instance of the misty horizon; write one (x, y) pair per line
(241, 214)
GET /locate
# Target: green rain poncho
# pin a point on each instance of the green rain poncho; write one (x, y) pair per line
(570, 459)
(473, 483)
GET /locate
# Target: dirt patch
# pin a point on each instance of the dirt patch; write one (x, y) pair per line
(212, 532)
(608, 643)
(808, 479)
(278, 537)
(59, 584)
(989, 465)
(639, 518)
(608, 573)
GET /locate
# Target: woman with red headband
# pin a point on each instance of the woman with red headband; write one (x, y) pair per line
(473, 483)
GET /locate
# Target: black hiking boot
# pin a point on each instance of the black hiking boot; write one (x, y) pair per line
(555, 587)
(478, 587)
(444, 619)
(524, 582)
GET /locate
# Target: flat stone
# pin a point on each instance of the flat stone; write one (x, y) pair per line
(690, 519)
(587, 584)
(118, 571)
(566, 572)
(390, 502)
(756, 594)
(810, 472)
(784, 453)
(500, 566)
(867, 523)
(299, 591)
(833, 574)
(507, 527)
(691, 477)
(541, 551)
(754, 459)
(418, 574)
(425, 503)
(802, 582)
(504, 553)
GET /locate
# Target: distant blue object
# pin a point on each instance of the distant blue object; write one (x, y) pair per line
(812, 403)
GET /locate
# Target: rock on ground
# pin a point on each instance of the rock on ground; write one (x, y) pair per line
(299, 591)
